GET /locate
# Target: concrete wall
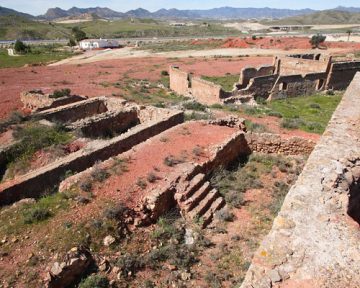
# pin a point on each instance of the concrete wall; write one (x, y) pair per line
(247, 74)
(36, 183)
(298, 85)
(294, 66)
(206, 92)
(313, 241)
(341, 74)
(275, 144)
(179, 81)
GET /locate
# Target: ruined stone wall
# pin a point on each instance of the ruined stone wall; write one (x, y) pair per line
(259, 87)
(313, 241)
(76, 111)
(275, 144)
(38, 101)
(179, 81)
(294, 66)
(298, 85)
(36, 183)
(206, 92)
(107, 124)
(247, 74)
(341, 74)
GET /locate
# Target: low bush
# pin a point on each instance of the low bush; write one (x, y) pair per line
(36, 215)
(196, 106)
(95, 281)
(291, 123)
(61, 93)
(130, 264)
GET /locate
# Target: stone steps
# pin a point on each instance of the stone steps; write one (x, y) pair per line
(198, 200)
(194, 185)
(204, 205)
(207, 218)
(199, 195)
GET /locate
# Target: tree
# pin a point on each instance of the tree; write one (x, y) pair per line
(316, 40)
(349, 32)
(72, 42)
(78, 34)
(21, 47)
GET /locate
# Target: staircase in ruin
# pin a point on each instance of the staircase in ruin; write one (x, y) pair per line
(198, 200)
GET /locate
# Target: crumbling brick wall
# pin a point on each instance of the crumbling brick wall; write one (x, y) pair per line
(298, 85)
(341, 74)
(260, 87)
(179, 81)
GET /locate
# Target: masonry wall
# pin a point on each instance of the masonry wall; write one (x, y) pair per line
(247, 74)
(298, 85)
(37, 183)
(294, 66)
(341, 74)
(274, 144)
(206, 92)
(260, 87)
(74, 112)
(313, 241)
(179, 81)
(107, 124)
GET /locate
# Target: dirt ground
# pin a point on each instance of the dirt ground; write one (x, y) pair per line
(92, 79)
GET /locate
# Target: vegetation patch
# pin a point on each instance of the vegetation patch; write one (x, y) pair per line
(226, 82)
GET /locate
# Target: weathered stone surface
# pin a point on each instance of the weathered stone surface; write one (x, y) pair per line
(77, 262)
(320, 246)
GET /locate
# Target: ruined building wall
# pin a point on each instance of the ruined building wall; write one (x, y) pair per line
(298, 85)
(341, 74)
(294, 66)
(248, 73)
(259, 87)
(206, 92)
(179, 81)
(313, 241)
(274, 144)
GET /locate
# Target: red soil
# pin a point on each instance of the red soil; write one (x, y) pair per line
(87, 79)
(178, 142)
(285, 43)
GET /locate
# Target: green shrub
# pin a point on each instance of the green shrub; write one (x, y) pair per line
(196, 106)
(95, 281)
(129, 264)
(61, 93)
(293, 123)
(21, 47)
(164, 73)
(36, 215)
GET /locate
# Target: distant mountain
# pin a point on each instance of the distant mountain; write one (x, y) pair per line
(321, 18)
(216, 13)
(6, 11)
(56, 13)
(348, 9)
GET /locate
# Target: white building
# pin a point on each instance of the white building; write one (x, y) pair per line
(88, 44)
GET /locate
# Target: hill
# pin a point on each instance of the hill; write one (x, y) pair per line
(6, 11)
(18, 27)
(216, 13)
(321, 18)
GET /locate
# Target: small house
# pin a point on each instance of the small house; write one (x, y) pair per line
(89, 44)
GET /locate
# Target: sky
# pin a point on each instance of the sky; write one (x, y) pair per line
(37, 7)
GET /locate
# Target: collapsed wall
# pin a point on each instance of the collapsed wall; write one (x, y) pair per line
(249, 73)
(314, 241)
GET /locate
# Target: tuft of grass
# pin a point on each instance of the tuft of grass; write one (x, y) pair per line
(194, 105)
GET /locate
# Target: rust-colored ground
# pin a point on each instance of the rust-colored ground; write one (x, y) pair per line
(95, 79)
